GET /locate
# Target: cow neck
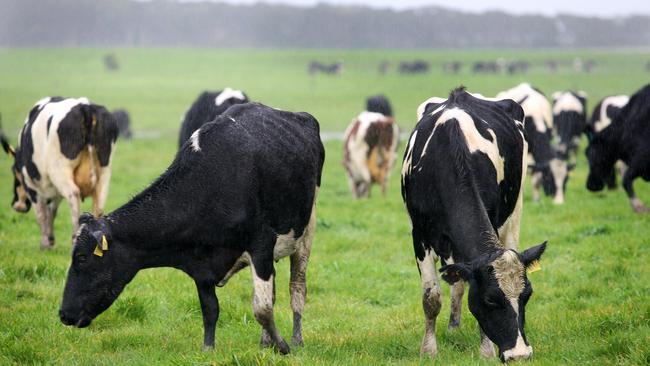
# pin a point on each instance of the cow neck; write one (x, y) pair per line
(472, 232)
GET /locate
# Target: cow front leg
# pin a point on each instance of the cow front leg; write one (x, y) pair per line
(265, 339)
(100, 193)
(628, 181)
(457, 291)
(210, 311)
(42, 217)
(298, 281)
(487, 347)
(536, 179)
(431, 303)
(263, 275)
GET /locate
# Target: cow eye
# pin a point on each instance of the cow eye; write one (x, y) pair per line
(491, 303)
(81, 259)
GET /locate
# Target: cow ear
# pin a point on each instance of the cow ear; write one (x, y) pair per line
(6, 146)
(86, 218)
(533, 254)
(453, 273)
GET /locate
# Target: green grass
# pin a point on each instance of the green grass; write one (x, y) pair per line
(591, 302)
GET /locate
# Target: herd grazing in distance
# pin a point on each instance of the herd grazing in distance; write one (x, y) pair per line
(242, 190)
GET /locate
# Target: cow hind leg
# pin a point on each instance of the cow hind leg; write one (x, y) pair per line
(43, 218)
(628, 181)
(536, 179)
(298, 281)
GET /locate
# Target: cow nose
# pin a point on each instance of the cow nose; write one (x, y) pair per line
(20, 207)
(65, 319)
(517, 353)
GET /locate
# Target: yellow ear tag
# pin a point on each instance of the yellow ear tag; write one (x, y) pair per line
(98, 251)
(104, 243)
(534, 266)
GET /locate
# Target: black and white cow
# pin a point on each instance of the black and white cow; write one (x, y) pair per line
(65, 150)
(206, 108)
(547, 167)
(370, 147)
(241, 191)
(462, 179)
(569, 121)
(625, 139)
(602, 116)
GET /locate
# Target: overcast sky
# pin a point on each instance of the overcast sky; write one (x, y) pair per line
(601, 8)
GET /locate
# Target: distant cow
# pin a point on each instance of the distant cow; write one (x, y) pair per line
(241, 191)
(485, 67)
(452, 67)
(206, 108)
(370, 145)
(462, 183)
(414, 67)
(625, 139)
(547, 167)
(110, 62)
(316, 67)
(64, 151)
(123, 121)
(569, 121)
(602, 116)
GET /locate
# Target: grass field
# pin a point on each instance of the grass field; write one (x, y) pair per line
(592, 299)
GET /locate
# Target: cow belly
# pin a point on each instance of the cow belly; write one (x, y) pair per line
(85, 176)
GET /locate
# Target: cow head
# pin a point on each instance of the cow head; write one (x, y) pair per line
(601, 164)
(20, 202)
(498, 292)
(99, 271)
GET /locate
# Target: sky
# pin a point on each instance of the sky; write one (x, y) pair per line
(546, 7)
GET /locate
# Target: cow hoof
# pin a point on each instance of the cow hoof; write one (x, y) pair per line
(208, 348)
(47, 246)
(641, 209)
(282, 347)
(453, 326)
(265, 340)
(297, 341)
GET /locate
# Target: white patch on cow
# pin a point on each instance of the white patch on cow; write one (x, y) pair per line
(430, 301)
(475, 141)
(408, 159)
(509, 273)
(228, 93)
(195, 141)
(285, 245)
(534, 105)
(423, 105)
(566, 102)
(617, 101)
(559, 170)
(519, 351)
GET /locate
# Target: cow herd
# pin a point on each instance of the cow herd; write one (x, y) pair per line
(242, 189)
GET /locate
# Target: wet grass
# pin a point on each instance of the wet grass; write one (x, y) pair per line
(590, 304)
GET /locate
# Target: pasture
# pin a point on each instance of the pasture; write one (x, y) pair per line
(591, 303)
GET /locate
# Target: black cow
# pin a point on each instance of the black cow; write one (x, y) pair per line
(462, 180)
(414, 67)
(569, 121)
(206, 108)
(123, 121)
(65, 151)
(625, 139)
(240, 192)
(379, 104)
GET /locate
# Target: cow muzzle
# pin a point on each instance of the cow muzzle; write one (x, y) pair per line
(520, 352)
(20, 206)
(81, 322)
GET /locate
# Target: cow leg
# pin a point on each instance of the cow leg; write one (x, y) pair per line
(431, 303)
(52, 208)
(457, 291)
(210, 311)
(42, 216)
(266, 340)
(263, 275)
(536, 179)
(559, 171)
(100, 193)
(487, 347)
(628, 180)
(298, 281)
(64, 182)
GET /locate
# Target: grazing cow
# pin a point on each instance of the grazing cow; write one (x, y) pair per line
(64, 151)
(206, 108)
(241, 191)
(123, 121)
(370, 146)
(547, 168)
(462, 179)
(569, 121)
(602, 116)
(452, 67)
(625, 139)
(414, 67)
(335, 68)
(486, 67)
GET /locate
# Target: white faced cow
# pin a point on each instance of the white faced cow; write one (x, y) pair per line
(64, 151)
(462, 179)
(569, 121)
(547, 167)
(369, 148)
